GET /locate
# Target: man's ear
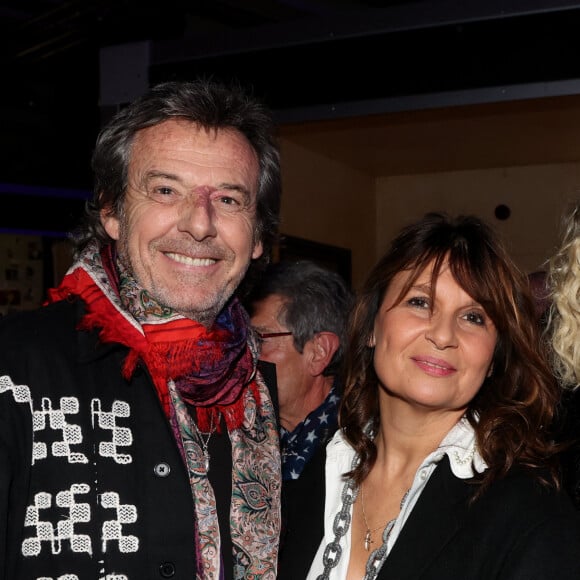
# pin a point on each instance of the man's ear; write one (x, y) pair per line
(258, 250)
(110, 222)
(322, 347)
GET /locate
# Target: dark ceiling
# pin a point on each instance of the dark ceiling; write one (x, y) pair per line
(49, 53)
(298, 54)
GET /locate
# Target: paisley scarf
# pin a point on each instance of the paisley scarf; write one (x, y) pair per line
(213, 372)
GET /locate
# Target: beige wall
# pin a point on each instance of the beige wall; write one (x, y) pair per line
(537, 196)
(354, 182)
(328, 202)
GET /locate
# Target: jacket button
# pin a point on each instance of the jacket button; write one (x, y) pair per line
(167, 570)
(162, 469)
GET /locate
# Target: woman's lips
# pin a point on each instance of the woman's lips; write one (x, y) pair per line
(434, 366)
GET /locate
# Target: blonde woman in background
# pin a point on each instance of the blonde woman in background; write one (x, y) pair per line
(565, 313)
(564, 333)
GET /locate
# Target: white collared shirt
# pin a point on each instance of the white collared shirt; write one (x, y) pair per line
(458, 444)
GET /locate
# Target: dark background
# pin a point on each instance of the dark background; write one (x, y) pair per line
(297, 55)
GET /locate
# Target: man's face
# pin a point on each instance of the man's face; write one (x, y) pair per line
(292, 372)
(188, 227)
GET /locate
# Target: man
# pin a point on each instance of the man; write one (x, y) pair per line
(136, 438)
(299, 311)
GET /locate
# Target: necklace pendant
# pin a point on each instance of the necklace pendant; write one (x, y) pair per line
(206, 460)
(368, 540)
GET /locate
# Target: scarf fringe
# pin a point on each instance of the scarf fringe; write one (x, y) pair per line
(209, 417)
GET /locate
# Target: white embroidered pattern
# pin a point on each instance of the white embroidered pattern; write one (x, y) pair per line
(65, 529)
(113, 529)
(71, 434)
(63, 577)
(121, 436)
(75, 577)
(21, 393)
(47, 533)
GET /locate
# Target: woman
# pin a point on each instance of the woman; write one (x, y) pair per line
(564, 277)
(564, 333)
(450, 470)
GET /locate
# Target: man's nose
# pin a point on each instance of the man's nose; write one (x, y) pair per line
(197, 217)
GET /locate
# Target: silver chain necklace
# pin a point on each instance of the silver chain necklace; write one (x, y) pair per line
(333, 551)
(204, 443)
(342, 520)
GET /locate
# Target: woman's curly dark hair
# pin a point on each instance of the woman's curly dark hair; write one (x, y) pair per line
(514, 407)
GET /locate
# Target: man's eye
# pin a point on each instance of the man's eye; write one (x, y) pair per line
(229, 200)
(161, 191)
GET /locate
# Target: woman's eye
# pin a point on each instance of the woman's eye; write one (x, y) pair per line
(418, 302)
(475, 318)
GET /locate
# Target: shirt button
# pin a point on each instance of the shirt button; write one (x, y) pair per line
(162, 469)
(423, 474)
(167, 570)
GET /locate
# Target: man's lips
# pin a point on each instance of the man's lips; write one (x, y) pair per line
(434, 366)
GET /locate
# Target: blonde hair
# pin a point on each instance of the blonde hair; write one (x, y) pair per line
(564, 320)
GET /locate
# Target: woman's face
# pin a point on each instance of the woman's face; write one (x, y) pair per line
(432, 356)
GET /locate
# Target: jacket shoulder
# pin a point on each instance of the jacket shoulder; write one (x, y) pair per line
(46, 334)
(43, 322)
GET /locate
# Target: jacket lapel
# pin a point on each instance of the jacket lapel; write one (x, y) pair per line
(434, 521)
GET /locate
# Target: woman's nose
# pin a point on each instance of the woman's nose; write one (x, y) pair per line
(441, 332)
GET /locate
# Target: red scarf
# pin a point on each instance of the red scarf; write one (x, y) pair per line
(210, 367)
